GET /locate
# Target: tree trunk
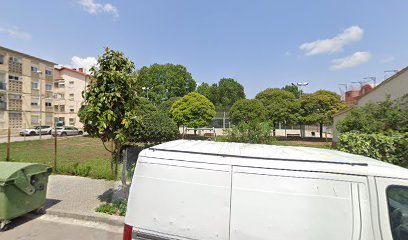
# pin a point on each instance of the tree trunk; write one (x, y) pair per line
(124, 171)
(321, 130)
(195, 132)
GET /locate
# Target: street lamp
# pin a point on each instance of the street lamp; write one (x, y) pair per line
(300, 85)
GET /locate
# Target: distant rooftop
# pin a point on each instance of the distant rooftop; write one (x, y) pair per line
(26, 55)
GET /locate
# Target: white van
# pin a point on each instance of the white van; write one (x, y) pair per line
(212, 190)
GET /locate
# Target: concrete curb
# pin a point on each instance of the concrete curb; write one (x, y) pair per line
(96, 217)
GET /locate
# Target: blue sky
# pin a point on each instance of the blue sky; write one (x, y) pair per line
(259, 43)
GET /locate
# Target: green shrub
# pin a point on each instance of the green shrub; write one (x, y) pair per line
(391, 147)
(253, 132)
(117, 207)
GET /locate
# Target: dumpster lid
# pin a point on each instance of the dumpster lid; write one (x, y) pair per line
(8, 170)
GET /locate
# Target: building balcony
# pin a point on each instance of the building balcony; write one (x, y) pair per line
(15, 86)
(15, 67)
(15, 104)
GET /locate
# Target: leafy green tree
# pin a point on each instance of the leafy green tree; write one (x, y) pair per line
(159, 82)
(293, 89)
(281, 105)
(222, 94)
(247, 110)
(377, 118)
(229, 91)
(193, 110)
(166, 106)
(156, 127)
(111, 110)
(319, 107)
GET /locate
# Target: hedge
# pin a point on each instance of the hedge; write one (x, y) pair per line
(391, 147)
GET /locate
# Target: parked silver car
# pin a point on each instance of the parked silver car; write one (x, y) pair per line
(36, 131)
(67, 131)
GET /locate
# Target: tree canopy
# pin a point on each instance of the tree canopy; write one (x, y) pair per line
(280, 105)
(319, 107)
(224, 93)
(159, 82)
(166, 105)
(293, 89)
(377, 118)
(247, 110)
(193, 110)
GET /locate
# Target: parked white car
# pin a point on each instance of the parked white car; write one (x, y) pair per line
(232, 191)
(36, 131)
(67, 131)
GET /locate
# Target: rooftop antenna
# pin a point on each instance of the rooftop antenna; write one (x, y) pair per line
(374, 79)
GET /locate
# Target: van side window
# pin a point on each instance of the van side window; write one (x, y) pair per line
(398, 210)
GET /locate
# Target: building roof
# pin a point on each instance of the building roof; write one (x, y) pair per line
(273, 156)
(373, 89)
(71, 70)
(27, 55)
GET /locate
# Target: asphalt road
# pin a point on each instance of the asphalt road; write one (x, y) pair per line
(51, 228)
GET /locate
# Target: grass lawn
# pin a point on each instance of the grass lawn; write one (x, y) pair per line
(80, 156)
(322, 144)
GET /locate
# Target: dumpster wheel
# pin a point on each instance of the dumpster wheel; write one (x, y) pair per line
(40, 211)
(3, 225)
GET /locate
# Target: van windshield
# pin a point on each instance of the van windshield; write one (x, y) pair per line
(398, 210)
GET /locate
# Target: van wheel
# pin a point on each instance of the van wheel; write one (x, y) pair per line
(63, 134)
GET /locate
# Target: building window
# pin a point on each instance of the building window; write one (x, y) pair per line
(71, 96)
(72, 110)
(34, 68)
(1, 116)
(48, 104)
(15, 60)
(3, 81)
(48, 71)
(35, 101)
(34, 85)
(71, 82)
(1, 59)
(48, 118)
(62, 108)
(48, 86)
(35, 119)
(71, 121)
(12, 77)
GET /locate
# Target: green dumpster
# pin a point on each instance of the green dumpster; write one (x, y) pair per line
(23, 188)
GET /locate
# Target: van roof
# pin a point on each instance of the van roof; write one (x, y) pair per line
(273, 155)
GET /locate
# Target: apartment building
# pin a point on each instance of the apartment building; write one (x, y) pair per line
(26, 90)
(68, 86)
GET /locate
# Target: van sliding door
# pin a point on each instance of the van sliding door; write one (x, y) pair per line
(180, 200)
(277, 204)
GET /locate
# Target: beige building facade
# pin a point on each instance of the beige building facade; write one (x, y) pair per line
(26, 91)
(68, 87)
(395, 87)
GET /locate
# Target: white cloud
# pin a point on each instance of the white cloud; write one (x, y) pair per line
(387, 59)
(351, 61)
(15, 33)
(92, 7)
(335, 44)
(85, 63)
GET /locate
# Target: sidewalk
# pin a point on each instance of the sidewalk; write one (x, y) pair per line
(78, 197)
